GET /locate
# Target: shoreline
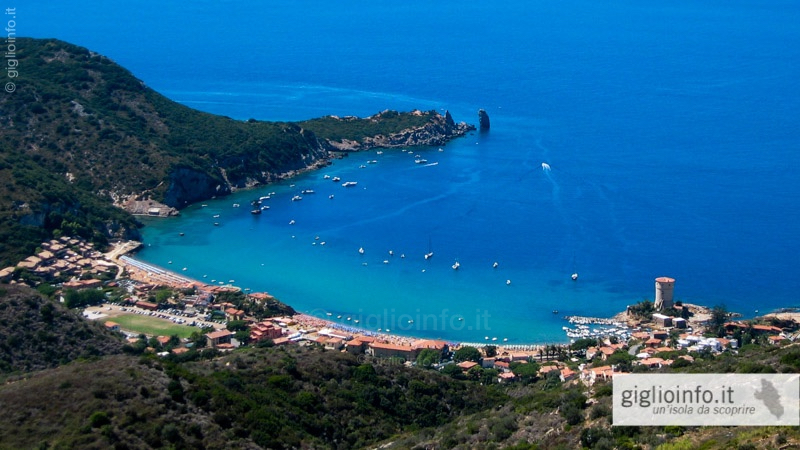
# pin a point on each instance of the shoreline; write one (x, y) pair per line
(150, 273)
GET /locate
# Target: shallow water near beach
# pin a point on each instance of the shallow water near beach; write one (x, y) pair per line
(670, 132)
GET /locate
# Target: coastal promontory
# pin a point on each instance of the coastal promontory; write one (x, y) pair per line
(85, 144)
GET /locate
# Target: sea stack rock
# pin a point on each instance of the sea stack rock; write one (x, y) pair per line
(483, 120)
(448, 120)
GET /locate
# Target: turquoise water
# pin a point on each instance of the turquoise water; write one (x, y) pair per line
(670, 129)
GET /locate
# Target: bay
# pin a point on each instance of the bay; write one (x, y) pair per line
(670, 130)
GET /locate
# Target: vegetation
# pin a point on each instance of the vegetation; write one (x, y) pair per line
(81, 134)
(354, 128)
(305, 397)
(37, 333)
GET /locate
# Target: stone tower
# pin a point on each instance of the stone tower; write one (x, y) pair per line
(664, 288)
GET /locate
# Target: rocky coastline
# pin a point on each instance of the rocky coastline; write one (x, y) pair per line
(187, 186)
(438, 131)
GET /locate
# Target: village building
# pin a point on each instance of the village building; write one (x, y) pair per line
(150, 306)
(567, 374)
(281, 340)
(589, 376)
(83, 284)
(358, 345)
(218, 339)
(505, 377)
(265, 330)
(467, 365)
(385, 350)
(234, 314)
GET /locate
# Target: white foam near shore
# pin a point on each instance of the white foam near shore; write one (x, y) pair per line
(155, 270)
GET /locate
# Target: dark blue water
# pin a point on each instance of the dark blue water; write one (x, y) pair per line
(671, 131)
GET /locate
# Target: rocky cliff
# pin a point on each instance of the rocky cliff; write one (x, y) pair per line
(483, 120)
(81, 137)
(438, 130)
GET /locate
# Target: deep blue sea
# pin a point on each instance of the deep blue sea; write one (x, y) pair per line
(671, 129)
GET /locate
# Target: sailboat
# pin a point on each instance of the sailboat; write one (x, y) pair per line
(574, 272)
(429, 255)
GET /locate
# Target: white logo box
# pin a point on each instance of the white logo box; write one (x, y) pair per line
(706, 399)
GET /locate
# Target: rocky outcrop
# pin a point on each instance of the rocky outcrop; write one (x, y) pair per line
(188, 185)
(438, 131)
(483, 120)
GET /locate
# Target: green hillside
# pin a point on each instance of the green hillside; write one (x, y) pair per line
(37, 333)
(81, 134)
(67, 383)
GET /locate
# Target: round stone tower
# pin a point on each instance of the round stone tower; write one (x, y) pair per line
(664, 288)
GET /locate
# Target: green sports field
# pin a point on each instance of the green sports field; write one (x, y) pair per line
(152, 326)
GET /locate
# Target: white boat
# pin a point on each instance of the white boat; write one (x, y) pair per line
(296, 198)
(574, 276)
(307, 191)
(361, 250)
(379, 152)
(330, 196)
(349, 183)
(291, 222)
(235, 205)
(429, 255)
(495, 265)
(456, 265)
(326, 177)
(336, 179)
(508, 282)
(420, 161)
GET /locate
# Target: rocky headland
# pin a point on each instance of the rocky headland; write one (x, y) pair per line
(438, 130)
(85, 145)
